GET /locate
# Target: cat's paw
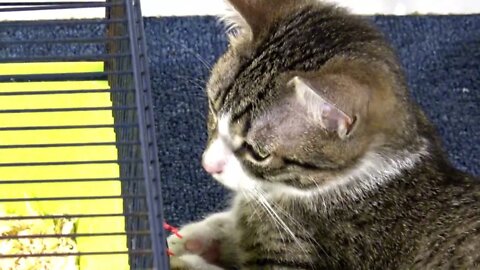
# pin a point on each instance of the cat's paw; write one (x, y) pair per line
(197, 238)
(201, 238)
(191, 262)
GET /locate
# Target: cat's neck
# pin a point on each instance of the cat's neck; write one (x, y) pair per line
(376, 169)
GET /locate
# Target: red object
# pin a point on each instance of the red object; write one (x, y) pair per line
(172, 229)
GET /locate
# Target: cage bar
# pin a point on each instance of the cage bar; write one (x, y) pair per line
(105, 174)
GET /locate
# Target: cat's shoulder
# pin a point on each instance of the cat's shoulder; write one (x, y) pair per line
(452, 243)
(452, 237)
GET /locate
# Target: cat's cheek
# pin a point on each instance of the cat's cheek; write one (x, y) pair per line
(234, 176)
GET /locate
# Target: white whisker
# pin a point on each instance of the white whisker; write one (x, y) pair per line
(190, 50)
(281, 222)
(277, 225)
(200, 83)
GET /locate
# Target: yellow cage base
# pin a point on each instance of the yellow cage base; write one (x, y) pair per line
(63, 154)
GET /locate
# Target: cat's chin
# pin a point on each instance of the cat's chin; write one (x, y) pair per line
(236, 182)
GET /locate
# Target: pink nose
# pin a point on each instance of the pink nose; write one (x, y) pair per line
(215, 167)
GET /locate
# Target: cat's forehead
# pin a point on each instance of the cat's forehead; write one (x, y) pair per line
(279, 119)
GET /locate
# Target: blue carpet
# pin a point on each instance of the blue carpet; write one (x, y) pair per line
(441, 56)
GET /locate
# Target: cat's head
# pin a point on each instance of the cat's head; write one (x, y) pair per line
(304, 93)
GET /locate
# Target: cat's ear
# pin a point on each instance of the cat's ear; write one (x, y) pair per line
(249, 15)
(311, 95)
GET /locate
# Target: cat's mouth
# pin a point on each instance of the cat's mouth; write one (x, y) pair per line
(234, 176)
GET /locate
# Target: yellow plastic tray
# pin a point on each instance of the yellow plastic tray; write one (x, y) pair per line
(41, 190)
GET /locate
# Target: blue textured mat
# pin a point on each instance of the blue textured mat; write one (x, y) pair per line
(441, 55)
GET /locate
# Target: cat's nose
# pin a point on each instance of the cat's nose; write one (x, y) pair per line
(214, 167)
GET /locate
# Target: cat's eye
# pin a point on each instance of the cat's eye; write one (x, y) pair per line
(256, 154)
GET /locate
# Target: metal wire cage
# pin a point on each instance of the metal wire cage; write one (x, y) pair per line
(53, 74)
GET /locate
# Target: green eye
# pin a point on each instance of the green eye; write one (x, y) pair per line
(256, 153)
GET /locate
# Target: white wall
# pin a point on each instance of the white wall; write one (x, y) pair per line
(214, 7)
(397, 7)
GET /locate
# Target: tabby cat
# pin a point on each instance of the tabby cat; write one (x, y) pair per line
(332, 163)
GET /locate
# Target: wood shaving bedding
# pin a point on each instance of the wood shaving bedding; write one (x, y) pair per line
(37, 245)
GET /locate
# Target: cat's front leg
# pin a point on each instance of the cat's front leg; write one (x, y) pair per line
(210, 240)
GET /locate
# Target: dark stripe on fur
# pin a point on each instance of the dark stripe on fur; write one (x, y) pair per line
(285, 51)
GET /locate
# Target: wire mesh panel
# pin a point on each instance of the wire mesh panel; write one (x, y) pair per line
(79, 175)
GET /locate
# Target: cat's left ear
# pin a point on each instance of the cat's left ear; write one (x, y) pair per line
(252, 15)
(244, 15)
(323, 104)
